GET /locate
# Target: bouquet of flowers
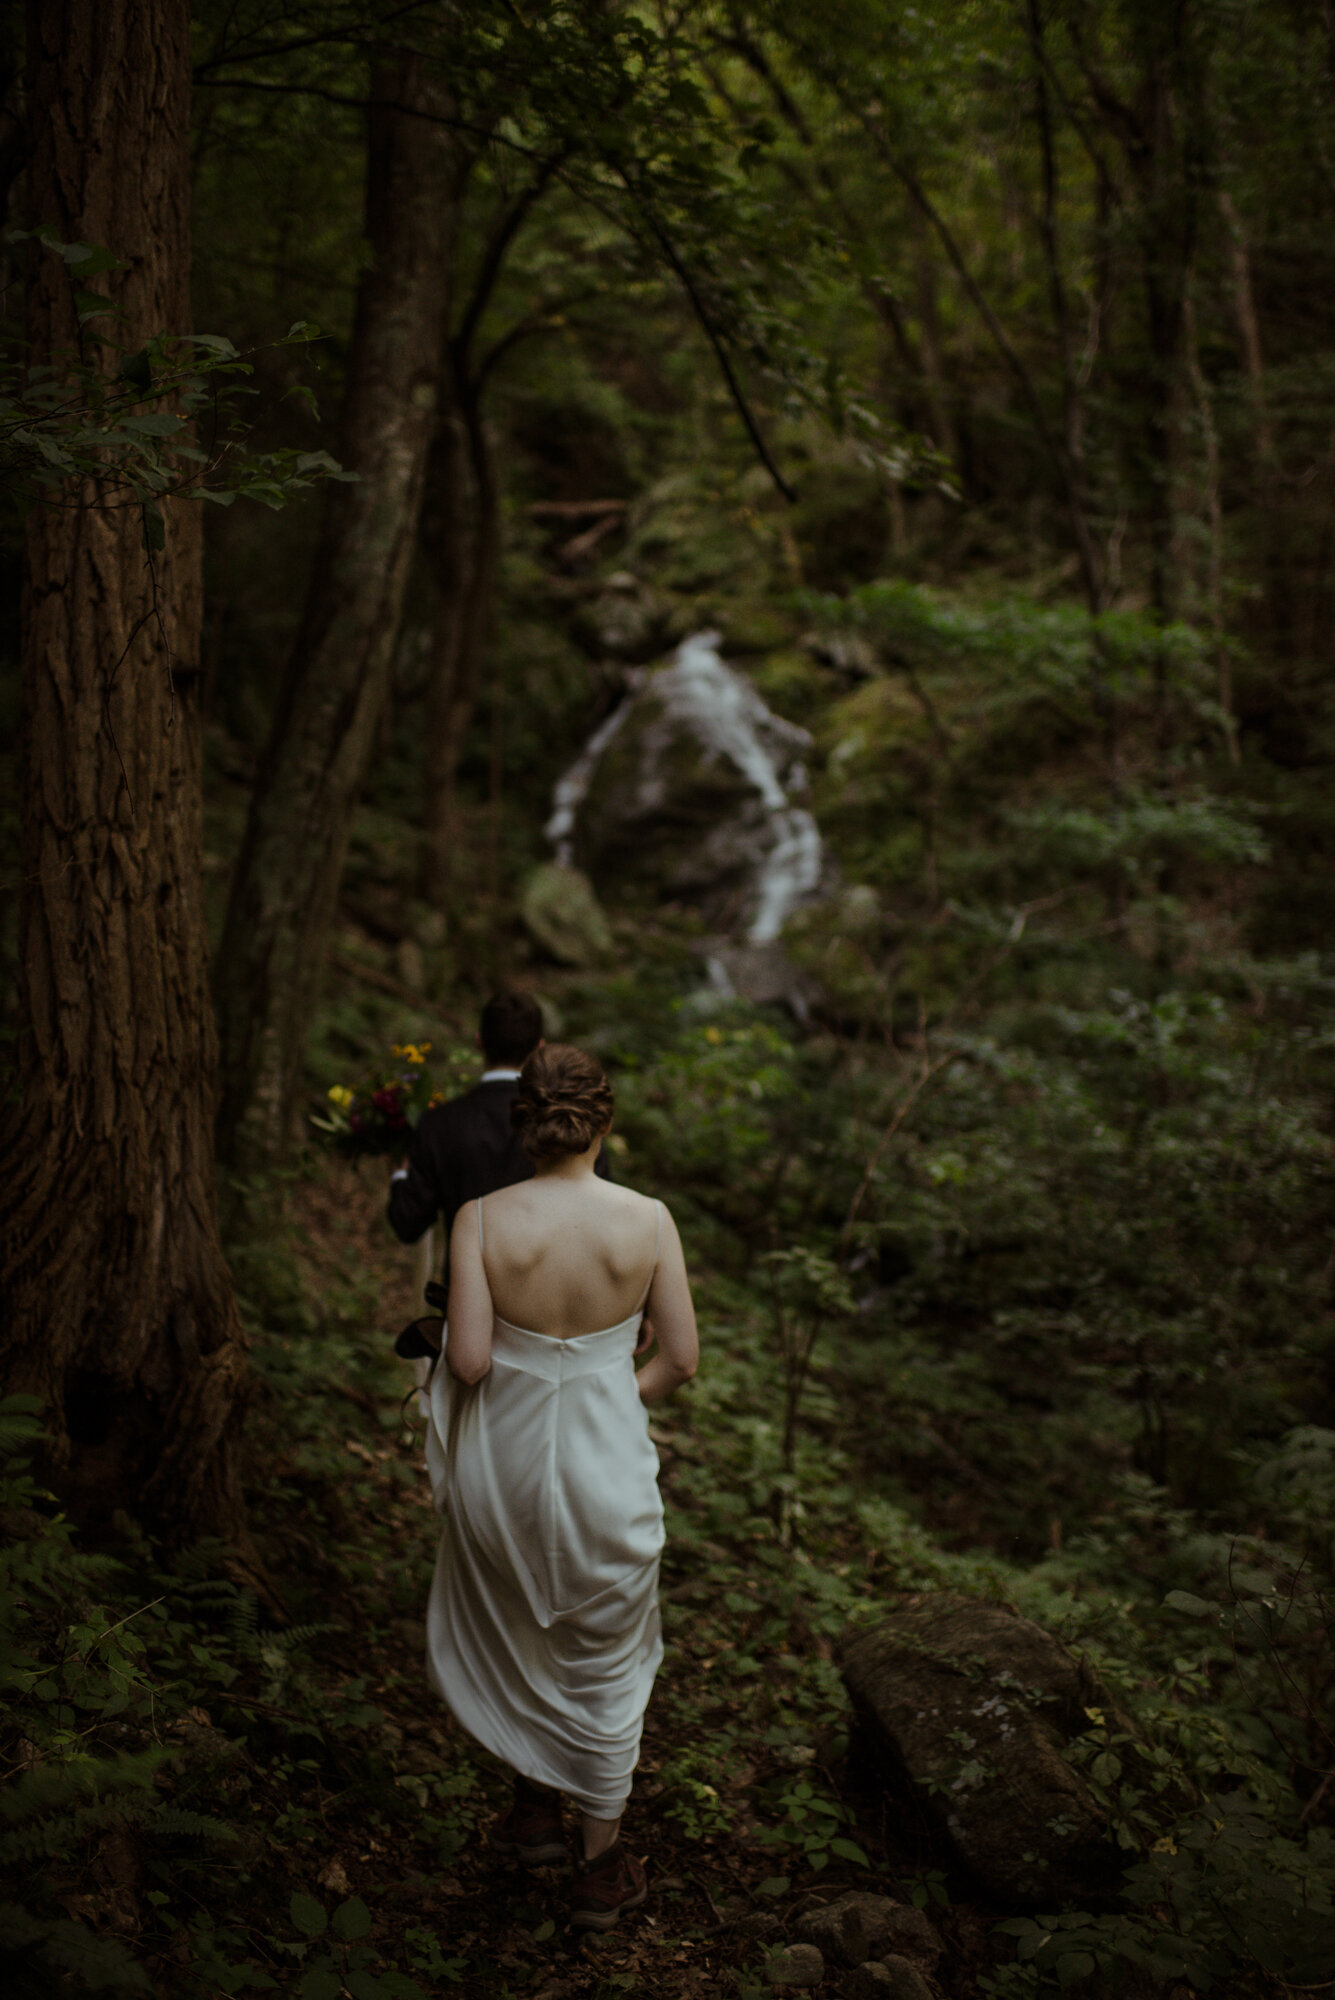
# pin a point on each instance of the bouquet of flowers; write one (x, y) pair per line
(379, 1112)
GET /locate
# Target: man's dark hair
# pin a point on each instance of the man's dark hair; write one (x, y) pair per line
(510, 1028)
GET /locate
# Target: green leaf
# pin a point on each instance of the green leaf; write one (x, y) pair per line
(317, 1984)
(221, 497)
(1194, 1607)
(307, 1915)
(544, 1931)
(90, 258)
(88, 305)
(49, 451)
(366, 1986)
(138, 369)
(352, 1920)
(773, 1885)
(156, 424)
(155, 529)
(848, 1850)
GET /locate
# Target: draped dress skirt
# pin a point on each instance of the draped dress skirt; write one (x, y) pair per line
(543, 1633)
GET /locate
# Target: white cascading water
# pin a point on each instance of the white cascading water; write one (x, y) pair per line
(700, 691)
(568, 796)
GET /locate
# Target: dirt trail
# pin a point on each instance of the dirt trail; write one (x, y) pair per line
(720, 1896)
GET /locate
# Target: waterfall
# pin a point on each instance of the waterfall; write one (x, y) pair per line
(723, 711)
(568, 796)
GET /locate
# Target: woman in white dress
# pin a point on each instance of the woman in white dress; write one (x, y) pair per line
(542, 1629)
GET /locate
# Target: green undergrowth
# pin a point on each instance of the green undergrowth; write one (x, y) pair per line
(916, 1377)
(228, 1807)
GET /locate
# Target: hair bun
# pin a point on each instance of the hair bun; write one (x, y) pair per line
(564, 1103)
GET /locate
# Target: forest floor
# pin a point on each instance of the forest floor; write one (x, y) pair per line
(744, 1795)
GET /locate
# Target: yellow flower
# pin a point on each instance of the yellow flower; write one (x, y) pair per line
(714, 1035)
(340, 1094)
(409, 1052)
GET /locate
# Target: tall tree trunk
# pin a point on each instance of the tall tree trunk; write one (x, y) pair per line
(936, 381)
(287, 878)
(116, 1302)
(1249, 332)
(466, 550)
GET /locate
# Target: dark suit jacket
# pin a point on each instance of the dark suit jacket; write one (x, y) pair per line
(461, 1150)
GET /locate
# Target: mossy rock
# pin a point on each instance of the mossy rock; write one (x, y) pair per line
(974, 1709)
(563, 915)
(793, 684)
(753, 626)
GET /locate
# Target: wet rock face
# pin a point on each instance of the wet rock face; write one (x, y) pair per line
(626, 621)
(971, 1707)
(694, 792)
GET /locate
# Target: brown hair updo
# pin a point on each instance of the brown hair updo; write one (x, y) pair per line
(564, 1102)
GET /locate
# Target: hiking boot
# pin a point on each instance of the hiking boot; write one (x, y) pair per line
(603, 1888)
(531, 1829)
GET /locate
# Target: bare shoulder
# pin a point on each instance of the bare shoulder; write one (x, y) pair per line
(627, 1198)
(512, 1200)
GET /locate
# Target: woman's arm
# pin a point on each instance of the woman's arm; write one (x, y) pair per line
(469, 1313)
(669, 1305)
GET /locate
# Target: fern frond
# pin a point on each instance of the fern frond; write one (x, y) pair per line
(174, 1822)
(61, 1834)
(52, 1786)
(243, 1621)
(294, 1636)
(101, 1964)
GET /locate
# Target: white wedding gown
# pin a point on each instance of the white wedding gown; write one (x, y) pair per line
(543, 1632)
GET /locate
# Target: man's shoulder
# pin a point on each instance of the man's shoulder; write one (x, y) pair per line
(463, 1108)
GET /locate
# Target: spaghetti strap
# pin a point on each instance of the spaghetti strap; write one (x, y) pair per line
(658, 1242)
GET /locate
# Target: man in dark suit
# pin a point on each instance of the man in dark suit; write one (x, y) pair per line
(467, 1147)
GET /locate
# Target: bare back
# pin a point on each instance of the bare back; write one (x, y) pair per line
(565, 1257)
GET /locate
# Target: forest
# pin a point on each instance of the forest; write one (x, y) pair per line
(803, 536)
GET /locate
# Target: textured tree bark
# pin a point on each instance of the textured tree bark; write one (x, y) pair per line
(286, 883)
(467, 550)
(1249, 330)
(116, 1303)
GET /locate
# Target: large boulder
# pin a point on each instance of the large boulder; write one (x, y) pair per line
(860, 1925)
(972, 1708)
(799, 1965)
(564, 916)
(892, 1978)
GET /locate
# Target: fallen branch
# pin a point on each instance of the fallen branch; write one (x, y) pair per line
(574, 510)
